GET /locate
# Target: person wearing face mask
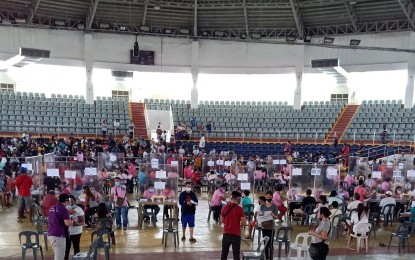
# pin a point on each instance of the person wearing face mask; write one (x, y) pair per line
(216, 203)
(118, 196)
(269, 206)
(59, 221)
(148, 194)
(75, 230)
(49, 201)
(188, 202)
(253, 223)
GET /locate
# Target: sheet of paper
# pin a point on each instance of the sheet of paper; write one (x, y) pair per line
(113, 158)
(219, 162)
(70, 174)
(161, 175)
(401, 166)
(410, 173)
(315, 171)
(242, 176)
(154, 163)
(210, 163)
(397, 174)
(159, 185)
(90, 171)
(28, 166)
(297, 172)
(275, 161)
(331, 172)
(174, 163)
(376, 174)
(245, 186)
(283, 161)
(389, 164)
(52, 172)
(228, 163)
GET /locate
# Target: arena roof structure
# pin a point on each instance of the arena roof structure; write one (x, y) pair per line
(214, 18)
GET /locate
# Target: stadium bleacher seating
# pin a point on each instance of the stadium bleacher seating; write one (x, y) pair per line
(248, 118)
(373, 114)
(34, 112)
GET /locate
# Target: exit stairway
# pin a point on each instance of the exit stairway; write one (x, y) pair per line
(137, 111)
(342, 122)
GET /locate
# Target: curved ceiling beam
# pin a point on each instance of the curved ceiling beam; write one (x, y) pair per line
(145, 12)
(246, 18)
(295, 5)
(352, 15)
(409, 10)
(91, 14)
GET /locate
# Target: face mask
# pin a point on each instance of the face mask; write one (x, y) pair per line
(320, 189)
(151, 190)
(57, 193)
(92, 191)
(188, 189)
(268, 200)
(117, 183)
(399, 191)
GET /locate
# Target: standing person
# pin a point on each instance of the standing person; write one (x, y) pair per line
(202, 142)
(216, 203)
(188, 201)
(131, 128)
(75, 230)
(287, 149)
(232, 217)
(104, 128)
(269, 231)
(23, 184)
(89, 201)
(118, 196)
(319, 248)
(59, 221)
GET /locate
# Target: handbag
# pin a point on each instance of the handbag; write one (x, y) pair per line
(268, 224)
(119, 201)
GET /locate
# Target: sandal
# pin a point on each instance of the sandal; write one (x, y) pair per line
(183, 238)
(192, 240)
(350, 248)
(19, 221)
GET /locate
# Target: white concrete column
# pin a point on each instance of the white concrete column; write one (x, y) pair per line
(89, 66)
(299, 69)
(409, 93)
(194, 97)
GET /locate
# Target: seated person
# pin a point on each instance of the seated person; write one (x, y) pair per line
(216, 203)
(408, 216)
(359, 217)
(353, 205)
(388, 199)
(148, 194)
(48, 201)
(334, 197)
(334, 209)
(168, 194)
(306, 201)
(230, 176)
(212, 176)
(292, 193)
(103, 212)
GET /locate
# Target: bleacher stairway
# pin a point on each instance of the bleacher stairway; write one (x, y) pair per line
(137, 111)
(342, 122)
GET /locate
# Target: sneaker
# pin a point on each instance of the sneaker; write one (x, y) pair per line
(124, 228)
(192, 240)
(118, 227)
(146, 220)
(183, 238)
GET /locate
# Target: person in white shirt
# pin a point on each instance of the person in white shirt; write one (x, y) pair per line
(117, 124)
(75, 230)
(359, 217)
(181, 150)
(202, 142)
(353, 205)
(131, 127)
(386, 201)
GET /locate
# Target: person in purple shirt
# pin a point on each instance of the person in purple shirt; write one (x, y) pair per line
(59, 221)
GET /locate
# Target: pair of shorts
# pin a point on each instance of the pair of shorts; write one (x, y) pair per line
(25, 201)
(188, 220)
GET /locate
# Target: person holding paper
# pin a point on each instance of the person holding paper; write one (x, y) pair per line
(119, 198)
(216, 203)
(188, 201)
(148, 194)
(24, 201)
(269, 210)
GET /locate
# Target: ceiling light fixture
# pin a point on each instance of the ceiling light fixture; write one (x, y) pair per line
(328, 40)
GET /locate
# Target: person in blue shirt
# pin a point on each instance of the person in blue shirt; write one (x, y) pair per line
(188, 201)
(143, 180)
(193, 122)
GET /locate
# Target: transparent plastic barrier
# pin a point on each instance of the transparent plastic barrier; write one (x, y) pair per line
(160, 175)
(173, 159)
(112, 163)
(218, 163)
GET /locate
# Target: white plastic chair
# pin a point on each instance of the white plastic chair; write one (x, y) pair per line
(363, 230)
(302, 242)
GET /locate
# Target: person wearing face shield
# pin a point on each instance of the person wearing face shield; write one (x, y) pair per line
(233, 217)
(188, 201)
(75, 231)
(119, 197)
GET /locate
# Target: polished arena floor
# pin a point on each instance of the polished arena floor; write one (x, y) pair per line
(146, 243)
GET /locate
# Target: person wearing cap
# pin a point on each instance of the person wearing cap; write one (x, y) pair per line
(233, 217)
(188, 202)
(387, 201)
(59, 221)
(216, 203)
(23, 184)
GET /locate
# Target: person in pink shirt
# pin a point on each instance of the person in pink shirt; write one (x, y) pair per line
(361, 190)
(349, 179)
(188, 172)
(277, 200)
(168, 193)
(386, 185)
(148, 194)
(80, 156)
(119, 193)
(216, 203)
